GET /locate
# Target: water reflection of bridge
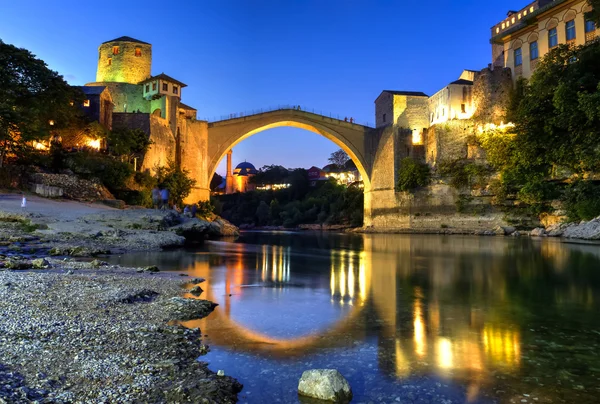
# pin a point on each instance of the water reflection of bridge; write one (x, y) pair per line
(417, 328)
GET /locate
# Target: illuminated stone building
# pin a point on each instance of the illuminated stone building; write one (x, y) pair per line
(455, 101)
(521, 39)
(140, 100)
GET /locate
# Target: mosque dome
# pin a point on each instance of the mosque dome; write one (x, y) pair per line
(244, 169)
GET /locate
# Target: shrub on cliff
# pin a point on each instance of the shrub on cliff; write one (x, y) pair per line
(412, 174)
(463, 174)
(582, 200)
(177, 181)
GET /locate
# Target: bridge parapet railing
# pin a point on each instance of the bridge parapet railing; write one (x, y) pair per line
(279, 108)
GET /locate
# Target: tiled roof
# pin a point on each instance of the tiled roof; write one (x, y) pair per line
(126, 39)
(408, 93)
(163, 76)
(184, 106)
(92, 90)
(462, 82)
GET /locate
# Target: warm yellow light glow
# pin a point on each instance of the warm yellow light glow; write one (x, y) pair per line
(513, 20)
(350, 279)
(490, 127)
(502, 346)
(419, 327)
(417, 137)
(402, 365)
(444, 353)
(95, 144)
(497, 30)
(39, 146)
(86, 103)
(51, 122)
(531, 9)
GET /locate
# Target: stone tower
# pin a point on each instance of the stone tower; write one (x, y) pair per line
(124, 60)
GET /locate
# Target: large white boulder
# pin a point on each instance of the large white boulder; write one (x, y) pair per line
(325, 384)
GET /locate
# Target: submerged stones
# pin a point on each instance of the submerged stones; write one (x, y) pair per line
(325, 384)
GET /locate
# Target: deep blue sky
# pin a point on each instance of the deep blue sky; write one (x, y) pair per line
(331, 55)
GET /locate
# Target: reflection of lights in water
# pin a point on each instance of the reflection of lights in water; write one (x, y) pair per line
(344, 281)
(276, 263)
(419, 327)
(402, 365)
(502, 346)
(444, 353)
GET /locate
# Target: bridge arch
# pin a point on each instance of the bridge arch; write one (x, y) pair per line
(350, 137)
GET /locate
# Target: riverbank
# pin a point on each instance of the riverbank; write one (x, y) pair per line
(62, 227)
(90, 332)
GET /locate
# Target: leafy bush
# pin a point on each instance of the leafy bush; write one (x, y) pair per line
(582, 200)
(110, 172)
(412, 174)
(205, 209)
(176, 180)
(136, 198)
(463, 174)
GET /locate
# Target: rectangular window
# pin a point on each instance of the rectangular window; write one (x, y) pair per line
(590, 25)
(109, 61)
(165, 87)
(86, 103)
(147, 88)
(518, 57)
(533, 51)
(552, 38)
(570, 30)
(154, 86)
(383, 117)
(138, 52)
(175, 89)
(115, 50)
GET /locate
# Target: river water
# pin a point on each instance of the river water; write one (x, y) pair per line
(405, 318)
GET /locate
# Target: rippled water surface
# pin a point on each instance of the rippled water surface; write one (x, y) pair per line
(405, 318)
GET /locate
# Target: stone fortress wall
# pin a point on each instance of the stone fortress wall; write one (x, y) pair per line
(435, 207)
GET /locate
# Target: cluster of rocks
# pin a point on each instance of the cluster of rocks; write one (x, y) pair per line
(585, 230)
(69, 186)
(93, 332)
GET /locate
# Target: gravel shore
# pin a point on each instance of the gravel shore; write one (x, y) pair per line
(82, 332)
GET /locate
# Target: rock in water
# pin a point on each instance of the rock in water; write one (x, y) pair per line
(538, 232)
(325, 384)
(196, 291)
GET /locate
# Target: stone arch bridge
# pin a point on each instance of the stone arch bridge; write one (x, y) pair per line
(199, 146)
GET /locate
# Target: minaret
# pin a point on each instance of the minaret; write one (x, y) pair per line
(229, 176)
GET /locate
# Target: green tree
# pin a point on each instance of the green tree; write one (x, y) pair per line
(272, 174)
(412, 174)
(262, 213)
(34, 101)
(128, 143)
(339, 158)
(274, 211)
(595, 14)
(176, 180)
